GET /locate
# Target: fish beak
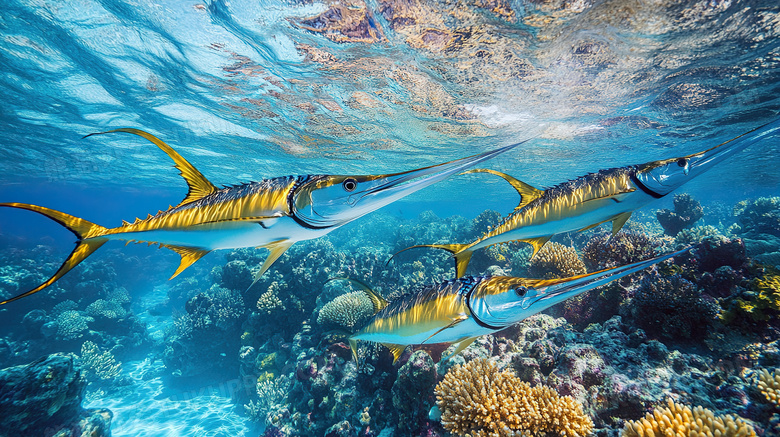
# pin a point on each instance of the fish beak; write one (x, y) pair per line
(325, 204)
(698, 163)
(660, 178)
(552, 291)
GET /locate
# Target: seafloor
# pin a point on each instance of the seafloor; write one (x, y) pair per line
(200, 355)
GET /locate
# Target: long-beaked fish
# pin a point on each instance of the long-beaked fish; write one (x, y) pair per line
(460, 310)
(606, 196)
(273, 213)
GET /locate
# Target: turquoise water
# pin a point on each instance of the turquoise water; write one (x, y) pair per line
(247, 90)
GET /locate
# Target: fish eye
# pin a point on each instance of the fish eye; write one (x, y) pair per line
(349, 184)
(682, 162)
(521, 291)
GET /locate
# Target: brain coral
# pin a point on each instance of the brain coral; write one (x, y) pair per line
(679, 420)
(555, 261)
(477, 400)
(769, 384)
(346, 311)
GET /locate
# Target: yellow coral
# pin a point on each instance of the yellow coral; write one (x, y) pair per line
(477, 400)
(682, 421)
(769, 384)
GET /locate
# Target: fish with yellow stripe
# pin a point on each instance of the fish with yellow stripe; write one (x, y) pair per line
(610, 195)
(460, 310)
(273, 213)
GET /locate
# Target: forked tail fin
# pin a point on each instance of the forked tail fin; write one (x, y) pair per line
(89, 234)
(461, 252)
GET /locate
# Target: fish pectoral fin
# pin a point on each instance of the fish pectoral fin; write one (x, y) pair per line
(353, 347)
(592, 226)
(619, 221)
(617, 197)
(527, 192)
(463, 344)
(395, 349)
(537, 243)
(459, 318)
(199, 186)
(276, 250)
(188, 256)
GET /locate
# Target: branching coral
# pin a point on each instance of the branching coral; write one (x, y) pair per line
(346, 311)
(679, 420)
(271, 393)
(769, 385)
(108, 309)
(477, 400)
(555, 260)
(98, 366)
(72, 324)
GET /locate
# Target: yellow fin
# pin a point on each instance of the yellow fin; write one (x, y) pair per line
(395, 349)
(353, 347)
(276, 250)
(461, 346)
(619, 221)
(188, 256)
(537, 243)
(527, 192)
(199, 186)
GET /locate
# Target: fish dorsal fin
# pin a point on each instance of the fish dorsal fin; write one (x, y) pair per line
(619, 221)
(188, 256)
(198, 184)
(527, 192)
(396, 350)
(461, 253)
(276, 250)
(463, 344)
(537, 243)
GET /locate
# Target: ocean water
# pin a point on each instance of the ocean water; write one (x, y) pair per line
(247, 90)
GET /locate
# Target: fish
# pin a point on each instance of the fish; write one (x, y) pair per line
(458, 311)
(610, 195)
(273, 213)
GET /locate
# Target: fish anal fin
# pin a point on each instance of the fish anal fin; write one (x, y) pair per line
(199, 186)
(463, 344)
(395, 349)
(276, 250)
(619, 221)
(537, 243)
(527, 192)
(188, 256)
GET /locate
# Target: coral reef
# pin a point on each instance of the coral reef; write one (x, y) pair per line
(677, 419)
(98, 366)
(555, 260)
(607, 251)
(760, 302)
(769, 385)
(412, 392)
(759, 216)
(687, 211)
(347, 311)
(44, 398)
(671, 307)
(479, 400)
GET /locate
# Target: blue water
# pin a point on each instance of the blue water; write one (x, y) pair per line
(245, 91)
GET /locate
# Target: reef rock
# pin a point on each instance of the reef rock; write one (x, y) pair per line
(687, 211)
(44, 398)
